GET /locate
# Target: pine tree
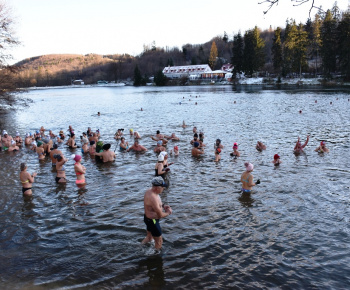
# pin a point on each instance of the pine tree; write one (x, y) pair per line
(316, 38)
(160, 79)
(137, 77)
(213, 55)
(328, 49)
(237, 54)
(299, 55)
(253, 52)
(277, 56)
(344, 45)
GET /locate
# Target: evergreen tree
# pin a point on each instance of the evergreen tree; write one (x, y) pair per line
(277, 56)
(288, 46)
(237, 54)
(344, 45)
(137, 77)
(253, 52)
(225, 38)
(213, 55)
(160, 79)
(328, 49)
(299, 55)
(316, 39)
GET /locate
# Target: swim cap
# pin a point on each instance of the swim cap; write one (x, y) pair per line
(13, 142)
(158, 181)
(37, 131)
(77, 158)
(106, 146)
(27, 135)
(39, 143)
(92, 143)
(4, 132)
(160, 157)
(323, 143)
(131, 130)
(196, 144)
(176, 148)
(248, 166)
(160, 142)
(235, 145)
(17, 133)
(276, 156)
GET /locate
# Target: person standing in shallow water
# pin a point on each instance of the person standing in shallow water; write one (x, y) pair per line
(26, 179)
(247, 178)
(153, 212)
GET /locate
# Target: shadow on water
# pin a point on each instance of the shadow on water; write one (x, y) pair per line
(155, 271)
(246, 199)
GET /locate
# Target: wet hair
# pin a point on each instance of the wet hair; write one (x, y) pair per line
(158, 132)
(195, 135)
(23, 166)
(57, 156)
(218, 141)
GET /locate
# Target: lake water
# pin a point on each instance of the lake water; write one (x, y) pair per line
(291, 233)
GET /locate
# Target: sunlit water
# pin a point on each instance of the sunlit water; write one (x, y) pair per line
(291, 233)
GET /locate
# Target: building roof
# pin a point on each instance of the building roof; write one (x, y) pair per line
(201, 68)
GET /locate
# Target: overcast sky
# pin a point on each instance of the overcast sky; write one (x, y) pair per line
(124, 26)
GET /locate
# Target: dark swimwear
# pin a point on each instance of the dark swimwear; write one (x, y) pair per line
(58, 179)
(153, 226)
(25, 189)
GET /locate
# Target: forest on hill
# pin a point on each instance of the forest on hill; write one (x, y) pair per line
(316, 47)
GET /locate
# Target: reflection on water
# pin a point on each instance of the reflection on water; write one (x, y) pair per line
(292, 230)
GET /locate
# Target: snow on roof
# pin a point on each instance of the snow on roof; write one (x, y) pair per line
(187, 68)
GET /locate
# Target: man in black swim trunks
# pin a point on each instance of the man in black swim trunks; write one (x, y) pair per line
(153, 212)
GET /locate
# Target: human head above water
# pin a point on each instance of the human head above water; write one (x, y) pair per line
(248, 166)
(158, 181)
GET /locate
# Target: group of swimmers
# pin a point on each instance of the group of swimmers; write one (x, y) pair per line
(47, 145)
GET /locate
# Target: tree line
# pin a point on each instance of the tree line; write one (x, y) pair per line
(319, 47)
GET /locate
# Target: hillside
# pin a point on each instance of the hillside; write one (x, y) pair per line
(61, 69)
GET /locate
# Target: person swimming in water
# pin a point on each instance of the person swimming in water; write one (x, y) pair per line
(260, 146)
(123, 146)
(298, 148)
(137, 147)
(276, 160)
(40, 150)
(106, 155)
(322, 148)
(235, 152)
(196, 151)
(247, 178)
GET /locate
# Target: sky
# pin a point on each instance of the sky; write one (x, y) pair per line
(125, 26)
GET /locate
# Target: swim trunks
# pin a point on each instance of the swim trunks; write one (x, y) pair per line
(153, 226)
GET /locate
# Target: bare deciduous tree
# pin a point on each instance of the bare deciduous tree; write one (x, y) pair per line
(271, 3)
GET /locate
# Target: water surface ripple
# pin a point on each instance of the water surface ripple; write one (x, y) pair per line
(291, 233)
